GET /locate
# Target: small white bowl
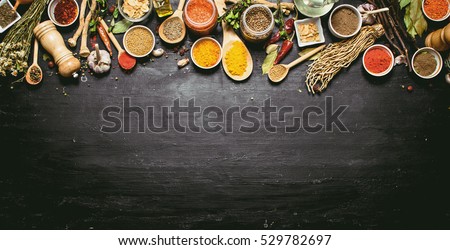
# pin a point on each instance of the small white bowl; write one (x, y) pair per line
(51, 13)
(436, 20)
(3, 29)
(206, 38)
(125, 44)
(390, 54)
(436, 55)
(330, 26)
(315, 20)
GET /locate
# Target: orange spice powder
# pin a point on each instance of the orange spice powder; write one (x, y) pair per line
(436, 9)
(200, 11)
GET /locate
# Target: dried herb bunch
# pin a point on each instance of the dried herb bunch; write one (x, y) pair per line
(15, 48)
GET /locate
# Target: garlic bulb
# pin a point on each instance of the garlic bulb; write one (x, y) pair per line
(367, 19)
(99, 60)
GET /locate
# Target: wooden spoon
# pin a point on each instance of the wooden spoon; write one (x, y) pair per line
(369, 12)
(178, 14)
(284, 69)
(229, 37)
(20, 2)
(123, 55)
(34, 65)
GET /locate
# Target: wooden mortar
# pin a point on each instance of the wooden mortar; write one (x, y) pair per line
(53, 43)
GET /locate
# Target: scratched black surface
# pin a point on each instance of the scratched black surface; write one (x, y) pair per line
(58, 171)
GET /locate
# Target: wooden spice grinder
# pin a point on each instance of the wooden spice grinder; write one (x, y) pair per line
(53, 43)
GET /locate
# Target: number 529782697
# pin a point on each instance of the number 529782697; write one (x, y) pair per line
(303, 240)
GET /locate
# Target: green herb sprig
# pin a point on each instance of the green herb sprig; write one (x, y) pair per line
(233, 14)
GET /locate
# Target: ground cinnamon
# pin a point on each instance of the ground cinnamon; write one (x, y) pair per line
(425, 64)
(344, 21)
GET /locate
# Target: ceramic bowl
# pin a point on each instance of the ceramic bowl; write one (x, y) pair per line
(135, 20)
(51, 13)
(125, 44)
(3, 29)
(193, 58)
(379, 46)
(315, 20)
(334, 32)
(436, 55)
(439, 19)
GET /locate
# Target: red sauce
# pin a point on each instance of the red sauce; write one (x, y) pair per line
(200, 11)
(65, 12)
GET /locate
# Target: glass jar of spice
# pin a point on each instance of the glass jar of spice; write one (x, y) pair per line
(257, 23)
(200, 16)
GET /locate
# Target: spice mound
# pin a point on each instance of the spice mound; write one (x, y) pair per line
(7, 15)
(377, 60)
(308, 32)
(344, 21)
(277, 72)
(206, 53)
(436, 9)
(35, 74)
(425, 64)
(66, 12)
(236, 59)
(139, 41)
(136, 8)
(173, 28)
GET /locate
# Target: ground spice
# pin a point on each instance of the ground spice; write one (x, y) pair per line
(7, 15)
(236, 59)
(258, 19)
(277, 72)
(344, 21)
(206, 53)
(173, 28)
(436, 9)
(65, 11)
(377, 60)
(200, 11)
(425, 64)
(126, 61)
(139, 41)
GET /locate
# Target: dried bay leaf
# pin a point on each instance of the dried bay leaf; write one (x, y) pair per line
(312, 58)
(268, 61)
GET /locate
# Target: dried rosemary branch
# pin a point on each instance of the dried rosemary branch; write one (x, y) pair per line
(15, 48)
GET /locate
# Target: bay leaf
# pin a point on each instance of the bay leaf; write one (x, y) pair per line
(121, 26)
(268, 61)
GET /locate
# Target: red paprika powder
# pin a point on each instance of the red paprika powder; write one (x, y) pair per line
(436, 9)
(377, 60)
(65, 11)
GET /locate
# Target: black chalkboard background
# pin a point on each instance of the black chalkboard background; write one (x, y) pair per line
(59, 171)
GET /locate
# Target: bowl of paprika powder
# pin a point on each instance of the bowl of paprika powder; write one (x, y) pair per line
(378, 60)
(63, 13)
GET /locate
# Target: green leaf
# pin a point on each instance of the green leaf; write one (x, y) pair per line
(121, 26)
(268, 61)
(116, 13)
(415, 22)
(403, 3)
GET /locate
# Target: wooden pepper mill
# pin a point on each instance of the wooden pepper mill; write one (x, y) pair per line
(53, 43)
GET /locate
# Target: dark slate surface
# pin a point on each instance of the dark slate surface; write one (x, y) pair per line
(390, 171)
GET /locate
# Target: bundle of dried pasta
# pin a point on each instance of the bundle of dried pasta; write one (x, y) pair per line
(337, 56)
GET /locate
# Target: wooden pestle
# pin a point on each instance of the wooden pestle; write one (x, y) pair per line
(53, 43)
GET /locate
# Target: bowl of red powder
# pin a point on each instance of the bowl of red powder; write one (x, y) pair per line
(63, 13)
(436, 10)
(378, 60)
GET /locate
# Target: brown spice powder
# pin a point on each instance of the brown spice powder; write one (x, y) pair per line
(425, 64)
(7, 15)
(277, 71)
(344, 21)
(173, 28)
(139, 41)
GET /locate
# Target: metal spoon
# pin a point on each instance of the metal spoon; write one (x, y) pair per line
(178, 14)
(34, 65)
(283, 69)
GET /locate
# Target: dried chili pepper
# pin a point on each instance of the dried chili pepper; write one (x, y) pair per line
(286, 46)
(105, 38)
(289, 26)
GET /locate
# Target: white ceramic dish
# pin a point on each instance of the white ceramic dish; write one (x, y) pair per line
(137, 20)
(436, 55)
(312, 12)
(3, 29)
(315, 20)
(436, 20)
(125, 44)
(330, 26)
(206, 38)
(51, 13)
(390, 54)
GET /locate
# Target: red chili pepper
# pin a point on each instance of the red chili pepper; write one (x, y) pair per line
(275, 38)
(286, 46)
(289, 25)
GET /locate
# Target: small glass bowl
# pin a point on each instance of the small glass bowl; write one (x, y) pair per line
(135, 20)
(256, 36)
(204, 28)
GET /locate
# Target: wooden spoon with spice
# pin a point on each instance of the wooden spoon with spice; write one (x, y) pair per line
(232, 50)
(34, 72)
(126, 61)
(173, 29)
(279, 71)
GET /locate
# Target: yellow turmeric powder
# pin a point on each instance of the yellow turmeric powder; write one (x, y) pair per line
(206, 53)
(236, 59)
